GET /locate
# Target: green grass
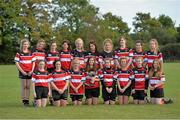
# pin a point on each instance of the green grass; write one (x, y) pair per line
(11, 107)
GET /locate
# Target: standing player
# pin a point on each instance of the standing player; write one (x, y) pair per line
(79, 52)
(107, 53)
(77, 79)
(59, 85)
(92, 83)
(154, 53)
(41, 79)
(140, 82)
(123, 51)
(138, 52)
(123, 77)
(51, 56)
(156, 80)
(65, 56)
(93, 52)
(107, 77)
(39, 52)
(25, 64)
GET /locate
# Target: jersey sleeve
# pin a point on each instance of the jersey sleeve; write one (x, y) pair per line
(17, 57)
(33, 77)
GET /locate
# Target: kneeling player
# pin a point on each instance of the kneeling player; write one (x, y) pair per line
(77, 78)
(139, 82)
(108, 83)
(41, 79)
(59, 85)
(156, 83)
(123, 82)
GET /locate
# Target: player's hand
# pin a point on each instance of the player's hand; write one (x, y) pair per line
(76, 90)
(24, 73)
(49, 93)
(145, 91)
(29, 73)
(110, 90)
(60, 91)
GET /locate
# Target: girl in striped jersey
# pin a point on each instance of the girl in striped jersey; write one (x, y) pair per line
(59, 85)
(39, 52)
(123, 51)
(25, 64)
(93, 52)
(138, 52)
(41, 79)
(107, 77)
(77, 78)
(79, 52)
(107, 53)
(51, 56)
(140, 82)
(65, 56)
(154, 53)
(124, 78)
(156, 80)
(92, 83)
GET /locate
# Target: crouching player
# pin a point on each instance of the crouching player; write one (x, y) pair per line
(108, 83)
(41, 79)
(140, 82)
(123, 82)
(92, 83)
(76, 81)
(59, 85)
(156, 83)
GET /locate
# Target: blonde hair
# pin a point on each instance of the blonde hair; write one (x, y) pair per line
(80, 40)
(41, 40)
(156, 43)
(23, 41)
(75, 60)
(107, 40)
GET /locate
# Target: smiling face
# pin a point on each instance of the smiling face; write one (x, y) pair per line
(156, 64)
(92, 47)
(138, 47)
(108, 46)
(25, 45)
(122, 42)
(79, 44)
(123, 62)
(65, 46)
(41, 45)
(91, 61)
(76, 65)
(41, 65)
(139, 62)
(53, 46)
(58, 65)
(107, 63)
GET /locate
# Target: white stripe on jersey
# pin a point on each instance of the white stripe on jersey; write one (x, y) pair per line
(123, 79)
(65, 59)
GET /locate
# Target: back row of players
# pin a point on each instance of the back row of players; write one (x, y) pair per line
(123, 72)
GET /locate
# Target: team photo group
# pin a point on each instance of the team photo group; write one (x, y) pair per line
(116, 74)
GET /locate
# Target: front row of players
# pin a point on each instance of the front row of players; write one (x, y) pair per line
(121, 83)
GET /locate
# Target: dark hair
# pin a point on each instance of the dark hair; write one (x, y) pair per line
(88, 69)
(67, 41)
(54, 63)
(94, 43)
(139, 41)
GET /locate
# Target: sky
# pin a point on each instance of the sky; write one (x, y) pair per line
(127, 9)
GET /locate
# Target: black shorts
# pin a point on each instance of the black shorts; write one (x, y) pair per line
(139, 95)
(89, 93)
(76, 97)
(21, 76)
(157, 93)
(57, 96)
(109, 96)
(127, 92)
(41, 92)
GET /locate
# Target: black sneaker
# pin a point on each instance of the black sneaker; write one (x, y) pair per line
(169, 101)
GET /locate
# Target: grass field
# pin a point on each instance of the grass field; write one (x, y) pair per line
(11, 107)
